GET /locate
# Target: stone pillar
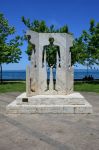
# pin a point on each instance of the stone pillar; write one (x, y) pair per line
(28, 84)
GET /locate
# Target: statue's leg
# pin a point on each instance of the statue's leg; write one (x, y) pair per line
(48, 77)
(48, 81)
(54, 77)
(54, 84)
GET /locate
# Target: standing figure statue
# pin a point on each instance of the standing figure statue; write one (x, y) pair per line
(51, 51)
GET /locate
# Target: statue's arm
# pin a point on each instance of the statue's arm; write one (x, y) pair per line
(43, 53)
(59, 56)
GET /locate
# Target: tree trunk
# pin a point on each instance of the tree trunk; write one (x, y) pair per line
(1, 73)
(87, 70)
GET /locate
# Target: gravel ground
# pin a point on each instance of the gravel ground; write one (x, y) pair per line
(49, 131)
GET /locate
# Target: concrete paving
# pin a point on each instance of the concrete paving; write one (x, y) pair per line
(49, 131)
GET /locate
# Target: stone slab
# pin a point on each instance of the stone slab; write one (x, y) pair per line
(36, 75)
(73, 103)
(74, 99)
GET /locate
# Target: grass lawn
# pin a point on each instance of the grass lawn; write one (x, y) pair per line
(87, 87)
(21, 87)
(12, 87)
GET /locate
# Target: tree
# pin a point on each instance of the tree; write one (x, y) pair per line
(78, 51)
(41, 27)
(85, 49)
(9, 48)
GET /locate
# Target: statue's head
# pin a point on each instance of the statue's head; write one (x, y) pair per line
(28, 37)
(51, 40)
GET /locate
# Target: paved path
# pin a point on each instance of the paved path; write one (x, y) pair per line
(49, 131)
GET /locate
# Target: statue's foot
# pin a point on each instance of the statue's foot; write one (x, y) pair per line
(32, 90)
(47, 90)
(55, 90)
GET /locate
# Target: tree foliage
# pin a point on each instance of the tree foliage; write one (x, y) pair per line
(41, 27)
(30, 48)
(9, 48)
(85, 49)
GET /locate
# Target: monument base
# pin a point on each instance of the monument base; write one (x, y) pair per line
(73, 103)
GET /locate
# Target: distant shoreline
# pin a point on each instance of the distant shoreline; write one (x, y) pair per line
(79, 74)
(95, 80)
(74, 69)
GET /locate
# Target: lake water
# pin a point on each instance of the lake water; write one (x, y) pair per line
(21, 75)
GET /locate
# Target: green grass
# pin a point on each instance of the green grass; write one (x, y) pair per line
(87, 87)
(21, 87)
(12, 87)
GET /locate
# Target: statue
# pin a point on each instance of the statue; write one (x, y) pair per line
(51, 52)
(46, 59)
(50, 70)
(32, 57)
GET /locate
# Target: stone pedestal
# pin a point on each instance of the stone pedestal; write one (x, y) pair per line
(73, 103)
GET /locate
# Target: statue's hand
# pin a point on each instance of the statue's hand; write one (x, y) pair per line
(59, 65)
(43, 65)
(35, 65)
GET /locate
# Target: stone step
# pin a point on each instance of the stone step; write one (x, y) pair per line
(73, 103)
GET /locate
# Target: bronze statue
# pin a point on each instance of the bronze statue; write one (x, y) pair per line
(51, 52)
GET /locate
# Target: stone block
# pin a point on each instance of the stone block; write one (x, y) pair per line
(72, 103)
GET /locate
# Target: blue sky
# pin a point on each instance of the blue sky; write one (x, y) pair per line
(75, 13)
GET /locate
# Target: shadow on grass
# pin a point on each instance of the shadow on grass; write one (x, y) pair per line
(85, 82)
(12, 82)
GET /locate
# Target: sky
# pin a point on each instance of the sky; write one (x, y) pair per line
(75, 13)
